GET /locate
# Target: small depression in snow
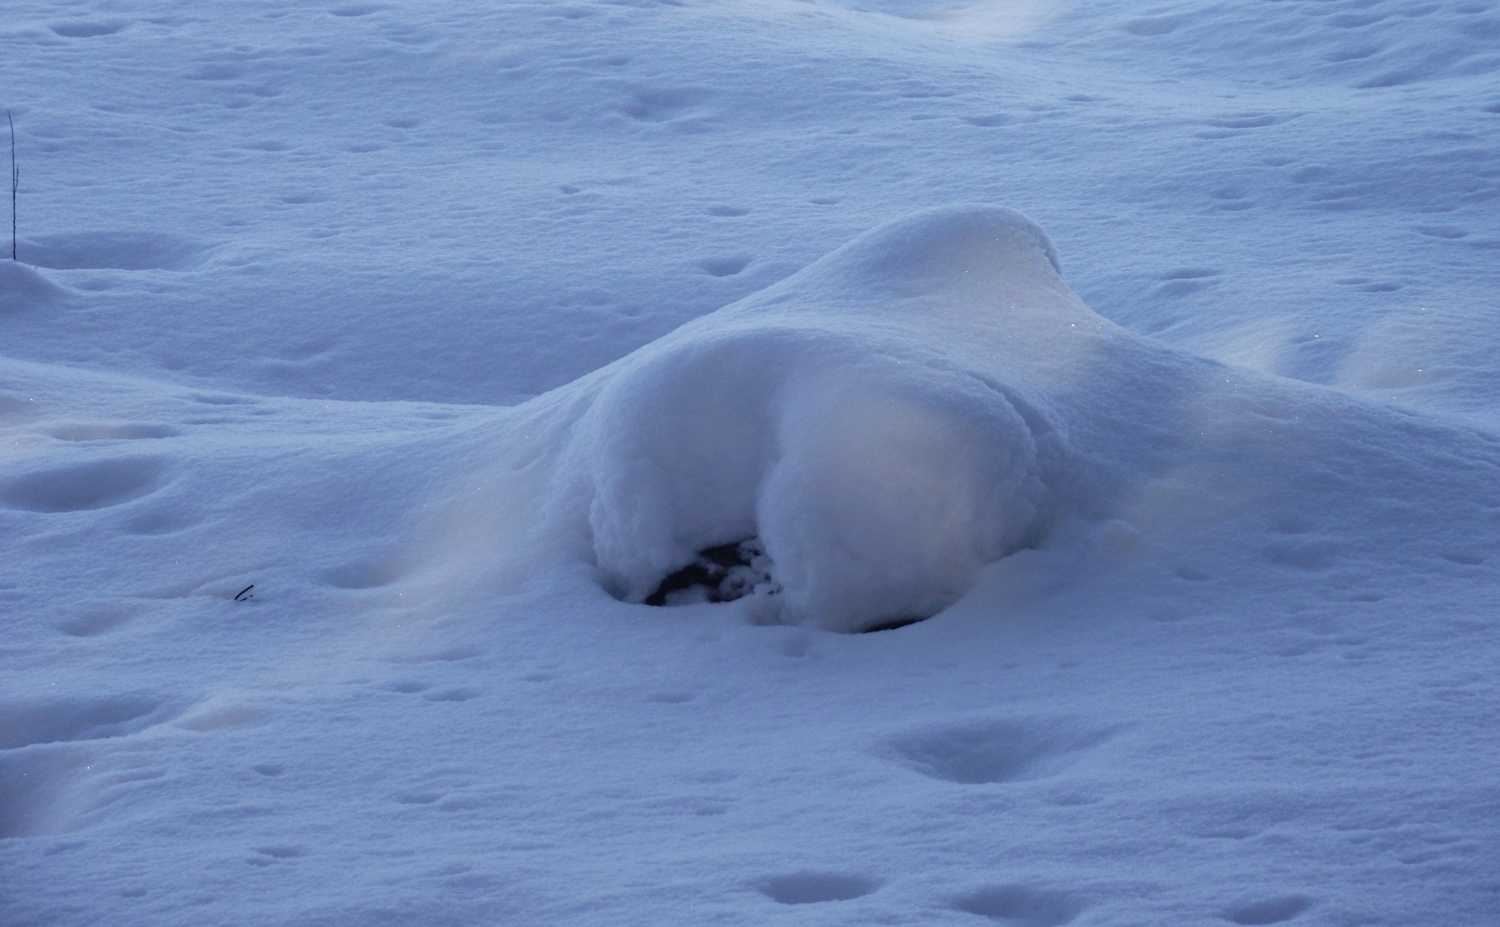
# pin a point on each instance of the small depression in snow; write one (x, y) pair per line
(817, 887)
(984, 752)
(95, 484)
(88, 28)
(1019, 906)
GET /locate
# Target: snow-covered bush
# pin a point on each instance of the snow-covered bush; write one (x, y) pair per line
(840, 417)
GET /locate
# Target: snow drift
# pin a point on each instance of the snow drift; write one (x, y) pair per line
(886, 422)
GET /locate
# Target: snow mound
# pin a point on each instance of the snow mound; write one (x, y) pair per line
(840, 417)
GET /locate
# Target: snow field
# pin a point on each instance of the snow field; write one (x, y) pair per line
(369, 364)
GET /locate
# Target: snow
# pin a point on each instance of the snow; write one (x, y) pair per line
(368, 366)
(836, 417)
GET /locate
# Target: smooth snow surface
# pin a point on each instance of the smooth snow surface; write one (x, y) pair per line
(367, 367)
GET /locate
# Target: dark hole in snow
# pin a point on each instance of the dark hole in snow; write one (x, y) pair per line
(892, 624)
(718, 574)
(732, 571)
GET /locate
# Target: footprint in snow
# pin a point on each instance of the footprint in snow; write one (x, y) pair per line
(724, 266)
(88, 28)
(1019, 906)
(817, 887)
(984, 752)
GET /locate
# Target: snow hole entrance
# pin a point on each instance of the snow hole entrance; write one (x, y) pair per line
(727, 572)
(719, 574)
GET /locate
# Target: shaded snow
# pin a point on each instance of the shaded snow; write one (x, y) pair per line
(368, 365)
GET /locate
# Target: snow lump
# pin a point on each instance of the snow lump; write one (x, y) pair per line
(840, 418)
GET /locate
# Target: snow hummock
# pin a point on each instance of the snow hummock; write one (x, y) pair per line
(836, 417)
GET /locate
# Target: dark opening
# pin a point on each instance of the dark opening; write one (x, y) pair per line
(732, 571)
(718, 574)
(891, 624)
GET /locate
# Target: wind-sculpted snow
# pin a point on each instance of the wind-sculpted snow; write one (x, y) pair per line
(887, 422)
(831, 417)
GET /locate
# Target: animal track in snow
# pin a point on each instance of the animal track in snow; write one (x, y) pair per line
(995, 751)
(815, 887)
(93, 485)
(1018, 906)
(1270, 911)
